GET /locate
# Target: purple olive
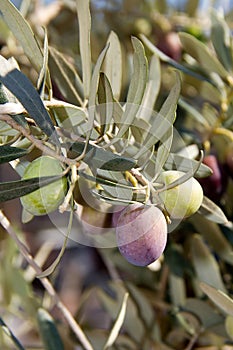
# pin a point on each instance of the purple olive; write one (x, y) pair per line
(215, 184)
(141, 234)
(170, 44)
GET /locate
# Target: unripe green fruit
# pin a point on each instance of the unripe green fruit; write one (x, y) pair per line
(183, 200)
(141, 234)
(47, 198)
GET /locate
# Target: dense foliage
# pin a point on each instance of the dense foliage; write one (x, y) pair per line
(116, 153)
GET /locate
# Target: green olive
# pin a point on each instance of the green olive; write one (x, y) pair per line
(183, 200)
(46, 199)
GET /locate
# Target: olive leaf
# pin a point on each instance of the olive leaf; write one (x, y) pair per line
(212, 211)
(202, 54)
(23, 32)
(92, 96)
(48, 330)
(121, 190)
(24, 91)
(68, 115)
(181, 163)
(193, 112)
(113, 64)
(14, 189)
(84, 21)
(221, 299)
(9, 153)
(221, 39)
(205, 265)
(99, 158)
(185, 69)
(44, 74)
(214, 236)
(136, 88)
(162, 124)
(65, 77)
(151, 92)
(106, 103)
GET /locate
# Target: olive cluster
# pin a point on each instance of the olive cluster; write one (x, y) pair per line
(141, 229)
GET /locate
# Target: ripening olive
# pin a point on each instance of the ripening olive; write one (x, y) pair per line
(141, 234)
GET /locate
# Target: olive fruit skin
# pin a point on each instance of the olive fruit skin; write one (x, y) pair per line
(170, 44)
(47, 198)
(183, 200)
(214, 185)
(141, 234)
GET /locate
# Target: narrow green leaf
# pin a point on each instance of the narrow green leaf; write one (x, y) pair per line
(190, 173)
(121, 190)
(173, 63)
(24, 91)
(48, 330)
(99, 158)
(23, 33)
(202, 54)
(177, 290)
(92, 95)
(106, 103)
(222, 300)
(19, 188)
(118, 323)
(9, 333)
(221, 39)
(163, 121)
(66, 77)
(193, 112)
(214, 236)
(67, 115)
(108, 179)
(151, 92)
(44, 72)
(178, 162)
(8, 153)
(113, 64)
(164, 150)
(212, 211)
(205, 311)
(169, 110)
(205, 265)
(136, 87)
(84, 20)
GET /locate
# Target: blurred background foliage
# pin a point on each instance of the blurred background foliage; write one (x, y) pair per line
(167, 307)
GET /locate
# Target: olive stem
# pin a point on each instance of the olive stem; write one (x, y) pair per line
(46, 283)
(74, 177)
(37, 143)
